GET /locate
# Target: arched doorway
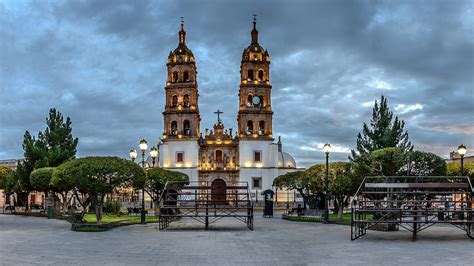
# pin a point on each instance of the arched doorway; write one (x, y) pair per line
(219, 191)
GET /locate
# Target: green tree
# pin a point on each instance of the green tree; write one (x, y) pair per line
(4, 172)
(421, 163)
(40, 179)
(388, 162)
(51, 148)
(384, 132)
(454, 169)
(156, 179)
(343, 183)
(305, 182)
(98, 176)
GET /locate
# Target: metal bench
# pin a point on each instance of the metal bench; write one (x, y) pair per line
(413, 202)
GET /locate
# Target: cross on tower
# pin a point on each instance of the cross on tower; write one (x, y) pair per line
(218, 115)
(254, 17)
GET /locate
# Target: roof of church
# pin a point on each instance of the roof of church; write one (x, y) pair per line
(254, 46)
(182, 49)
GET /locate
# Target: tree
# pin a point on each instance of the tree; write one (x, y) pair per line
(454, 169)
(50, 149)
(308, 185)
(388, 161)
(98, 177)
(4, 172)
(421, 163)
(384, 132)
(40, 179)
(156, 179)
(343, 183)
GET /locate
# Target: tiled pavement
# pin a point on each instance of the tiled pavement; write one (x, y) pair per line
(27, 240)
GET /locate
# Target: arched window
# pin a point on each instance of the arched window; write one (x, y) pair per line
(174, 128)
(250, 74)
(261, 100)
(174, 101)
(186, 100)
(249, 127)
(175, 76)
(261, 128)
(219, 156)
(186, 76)
(249, 100)
(187, 128)
(260, 75)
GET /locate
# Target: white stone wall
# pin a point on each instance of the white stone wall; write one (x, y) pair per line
(190, 148)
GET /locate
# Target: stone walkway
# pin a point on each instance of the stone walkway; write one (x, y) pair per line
(27, 240)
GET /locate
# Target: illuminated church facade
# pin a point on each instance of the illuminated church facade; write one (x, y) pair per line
(220, 155)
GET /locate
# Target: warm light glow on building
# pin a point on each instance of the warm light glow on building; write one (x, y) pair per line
(179, 165)
(248, 164)
(259, 165)
(180, 136)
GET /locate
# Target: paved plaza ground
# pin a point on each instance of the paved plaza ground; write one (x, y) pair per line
(27, 240)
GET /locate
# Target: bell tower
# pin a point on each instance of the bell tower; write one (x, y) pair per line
(181, 115)
(255, 105)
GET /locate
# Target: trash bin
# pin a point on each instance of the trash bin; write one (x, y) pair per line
(50, 212)
(268, 196)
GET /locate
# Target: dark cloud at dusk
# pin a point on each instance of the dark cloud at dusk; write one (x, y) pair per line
(103, 63)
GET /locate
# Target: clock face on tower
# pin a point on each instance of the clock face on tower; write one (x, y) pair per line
(256, 100)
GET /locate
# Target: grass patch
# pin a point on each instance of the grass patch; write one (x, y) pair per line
(123, 219)
(333, 218)
(92, 229)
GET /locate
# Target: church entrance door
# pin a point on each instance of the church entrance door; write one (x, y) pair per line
(219, 192)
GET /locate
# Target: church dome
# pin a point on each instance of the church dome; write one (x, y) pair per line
(285, 160)
(255, 52)
(182, 54)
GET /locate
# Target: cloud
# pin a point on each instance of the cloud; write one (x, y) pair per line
(103, 63)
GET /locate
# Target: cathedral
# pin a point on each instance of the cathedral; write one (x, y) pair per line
(220, 155)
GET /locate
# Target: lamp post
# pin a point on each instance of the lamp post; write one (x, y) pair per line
(143, 146)
(327, 149)
(153, 154)
(462, 151)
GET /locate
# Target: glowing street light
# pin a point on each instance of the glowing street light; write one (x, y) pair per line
(462, 151)
(327, 149)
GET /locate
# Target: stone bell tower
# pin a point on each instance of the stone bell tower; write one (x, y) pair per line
(255, 105)
(181, 115)
(180, 149)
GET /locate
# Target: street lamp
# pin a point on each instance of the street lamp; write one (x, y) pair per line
(154, 151)
(153, 154)
(143, 146)
(462, 151)
(327, 149)
(133, 154)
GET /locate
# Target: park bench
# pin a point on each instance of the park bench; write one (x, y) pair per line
(135, 211)
(412, 202)
(76, 217)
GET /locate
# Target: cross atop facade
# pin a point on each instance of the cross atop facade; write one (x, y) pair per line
(254, 17)
(182, 19)
(218, 115)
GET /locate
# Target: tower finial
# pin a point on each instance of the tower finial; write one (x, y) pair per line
(254, 31)
(182, 33)
(254, 21)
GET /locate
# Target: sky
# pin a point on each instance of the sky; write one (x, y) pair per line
(103, 64)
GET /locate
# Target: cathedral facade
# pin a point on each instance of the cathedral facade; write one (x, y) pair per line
(220, 155)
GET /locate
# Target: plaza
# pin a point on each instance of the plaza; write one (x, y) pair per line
(28, 240)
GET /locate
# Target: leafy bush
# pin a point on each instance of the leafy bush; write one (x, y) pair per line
(112, 207)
